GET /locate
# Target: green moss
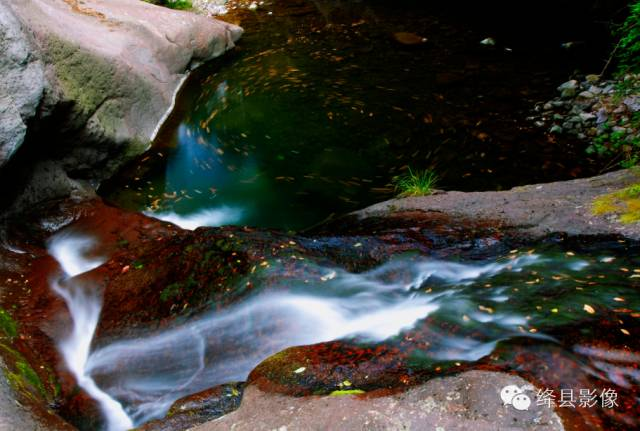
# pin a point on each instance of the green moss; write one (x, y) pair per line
(7, 324)
(625, 203)
(344, 392)
(171, 291)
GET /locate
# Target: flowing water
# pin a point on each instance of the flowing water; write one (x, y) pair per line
(320, 107)
(73, 253)
(466, 311)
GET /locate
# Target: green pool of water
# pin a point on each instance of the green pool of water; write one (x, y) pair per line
(321, 106)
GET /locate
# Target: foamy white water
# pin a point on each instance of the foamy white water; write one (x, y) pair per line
(150, 373)
(209, 217)
(73, 253)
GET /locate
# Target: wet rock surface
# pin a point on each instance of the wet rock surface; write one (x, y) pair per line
(469, 400)
(196, 409)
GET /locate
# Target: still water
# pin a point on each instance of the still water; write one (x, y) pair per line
(324, 102)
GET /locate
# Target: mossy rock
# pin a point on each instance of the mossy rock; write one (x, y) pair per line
(624, 203)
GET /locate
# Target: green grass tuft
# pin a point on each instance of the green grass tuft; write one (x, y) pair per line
(419, 183)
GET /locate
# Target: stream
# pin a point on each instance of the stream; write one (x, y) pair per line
(437, 313)
(320, 107)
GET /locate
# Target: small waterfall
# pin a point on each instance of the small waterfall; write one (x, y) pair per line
(73, 253)
(320, 304)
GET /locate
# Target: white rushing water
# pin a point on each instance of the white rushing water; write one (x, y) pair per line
(73, 253)
(149, 373)
(140, 378)
(207, 217)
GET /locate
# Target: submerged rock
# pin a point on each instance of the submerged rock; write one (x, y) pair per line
(198, 408)
(407, 38)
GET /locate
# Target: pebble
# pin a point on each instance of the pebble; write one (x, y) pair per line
(572, 84)
(590, 107)
(586, 95)
(587, 116)
(592, 79)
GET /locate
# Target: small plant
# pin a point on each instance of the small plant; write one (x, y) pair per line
(173, 4)
(420, 183)
(628, 49)
(617, 145)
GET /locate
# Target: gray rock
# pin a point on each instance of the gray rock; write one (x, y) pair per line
(633, 103)
(595, 90)
(107, 71)
(537, 210)
(555, 129)
(569, 85)
(602, 116)
(547, 106)
(470, 400)
(587, 116)
(21, 87)
(619, 129)
(586, 95)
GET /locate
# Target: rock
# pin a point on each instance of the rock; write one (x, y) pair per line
(587, 116)
(633, 103)
(470, 400)
(489, 41)
(586, 95)
(602, 116)
(210, 7)
(592, 79)
(560, 207)
(595, 90)
(101, 93)
(569, 85)
(198, 408)
(22, 85)
(620, 130)
(547, 106)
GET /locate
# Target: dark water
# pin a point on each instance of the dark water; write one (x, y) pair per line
(320, 107)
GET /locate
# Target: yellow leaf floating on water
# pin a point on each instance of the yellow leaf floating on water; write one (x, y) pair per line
(624, 331)
(300, 370)
(589, 309)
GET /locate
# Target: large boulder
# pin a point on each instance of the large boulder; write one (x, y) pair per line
(469, 400)
(21, 87)
(87, 84)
